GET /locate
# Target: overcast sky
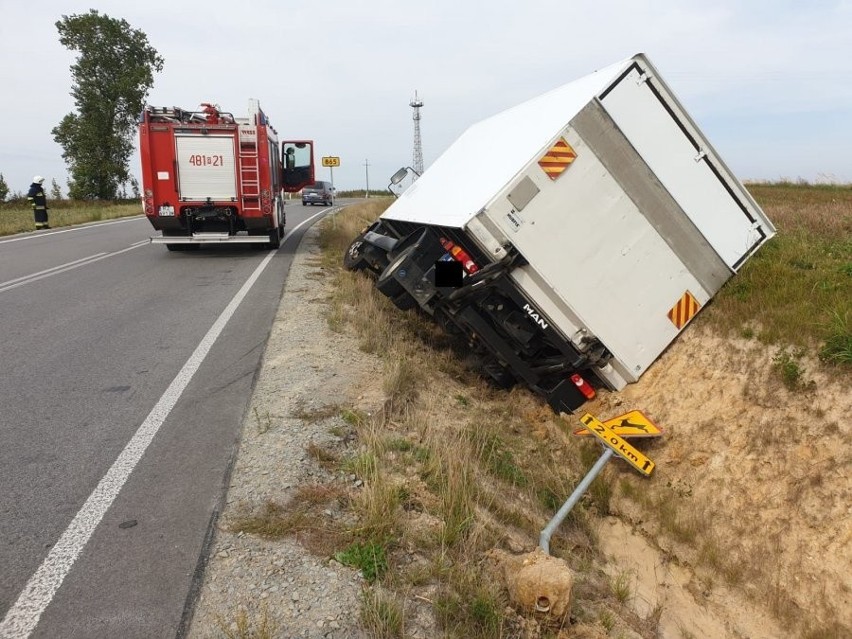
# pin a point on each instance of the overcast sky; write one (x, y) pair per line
(768, 81)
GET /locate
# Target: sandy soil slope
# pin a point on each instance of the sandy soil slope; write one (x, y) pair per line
(761, 473)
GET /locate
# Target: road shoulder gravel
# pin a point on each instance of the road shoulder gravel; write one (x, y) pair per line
(250, 581)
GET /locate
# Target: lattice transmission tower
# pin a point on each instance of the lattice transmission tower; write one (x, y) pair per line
(417, 162)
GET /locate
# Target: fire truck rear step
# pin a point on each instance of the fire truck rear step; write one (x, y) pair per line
(209, 238)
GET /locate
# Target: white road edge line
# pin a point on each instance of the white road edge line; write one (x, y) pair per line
(24, 615)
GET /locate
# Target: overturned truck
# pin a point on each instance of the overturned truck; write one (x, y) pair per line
(590, 225)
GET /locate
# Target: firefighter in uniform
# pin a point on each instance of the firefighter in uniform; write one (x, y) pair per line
(37, 198)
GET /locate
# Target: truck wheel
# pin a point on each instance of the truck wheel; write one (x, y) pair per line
(353, 258)
(361, 255)
(176, 247)
(386, 282)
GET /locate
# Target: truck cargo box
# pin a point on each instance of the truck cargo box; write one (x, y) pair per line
(627, 220)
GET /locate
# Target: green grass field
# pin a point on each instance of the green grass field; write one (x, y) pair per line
(797, 290)
(18, 218)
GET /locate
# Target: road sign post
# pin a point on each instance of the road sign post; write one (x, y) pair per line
(331, 161)
(613, 445)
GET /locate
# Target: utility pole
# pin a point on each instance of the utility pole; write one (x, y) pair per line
(367, 172)
(415, 104)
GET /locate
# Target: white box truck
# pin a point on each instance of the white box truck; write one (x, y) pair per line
(591, 223)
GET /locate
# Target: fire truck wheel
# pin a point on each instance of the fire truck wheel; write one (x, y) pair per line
(274, 239)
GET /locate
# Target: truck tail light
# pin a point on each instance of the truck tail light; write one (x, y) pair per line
(460, 255)
(583, 386)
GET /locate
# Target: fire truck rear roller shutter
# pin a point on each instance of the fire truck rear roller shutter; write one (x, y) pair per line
(206, 167)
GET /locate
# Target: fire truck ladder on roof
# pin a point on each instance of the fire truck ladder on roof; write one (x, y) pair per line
(249, 168)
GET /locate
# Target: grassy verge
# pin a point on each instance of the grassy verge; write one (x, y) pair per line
(451, 468)
(797, 290)
(19, 219)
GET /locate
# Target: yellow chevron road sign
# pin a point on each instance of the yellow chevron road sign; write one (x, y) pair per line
(620, 446)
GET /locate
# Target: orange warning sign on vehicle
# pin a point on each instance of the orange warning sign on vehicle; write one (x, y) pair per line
(685, 309)
(632, 424)
(557, 159)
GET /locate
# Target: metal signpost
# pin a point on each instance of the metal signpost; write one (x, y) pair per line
(331, 161)
(611, 434)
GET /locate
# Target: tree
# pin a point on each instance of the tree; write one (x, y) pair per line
(55, 191)
(4, 188)
(112, 77)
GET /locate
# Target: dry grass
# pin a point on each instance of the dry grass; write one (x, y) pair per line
(19, 219)
(481, 465)
(302, 517)
(382, 614)
(248, 624)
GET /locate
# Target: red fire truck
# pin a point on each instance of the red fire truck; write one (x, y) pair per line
(208, 177)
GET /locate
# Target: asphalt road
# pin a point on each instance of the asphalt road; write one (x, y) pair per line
(126, 373)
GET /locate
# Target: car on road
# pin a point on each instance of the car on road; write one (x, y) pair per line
(318, 193)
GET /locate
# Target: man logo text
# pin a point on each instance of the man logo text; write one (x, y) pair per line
(535, 316)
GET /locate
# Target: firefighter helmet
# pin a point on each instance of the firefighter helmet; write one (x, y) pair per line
(38, 179)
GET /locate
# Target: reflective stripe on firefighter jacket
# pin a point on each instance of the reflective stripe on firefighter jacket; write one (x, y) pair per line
(36, 196)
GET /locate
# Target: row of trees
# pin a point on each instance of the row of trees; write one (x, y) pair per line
(111, 79)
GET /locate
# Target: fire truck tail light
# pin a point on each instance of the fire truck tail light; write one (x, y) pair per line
(583, 386)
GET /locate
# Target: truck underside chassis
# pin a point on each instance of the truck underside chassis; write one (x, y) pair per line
(488, 310)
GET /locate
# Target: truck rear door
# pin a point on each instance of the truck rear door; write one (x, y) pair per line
(666, 139)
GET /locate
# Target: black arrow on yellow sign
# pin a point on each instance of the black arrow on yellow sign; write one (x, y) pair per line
(620, 446)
